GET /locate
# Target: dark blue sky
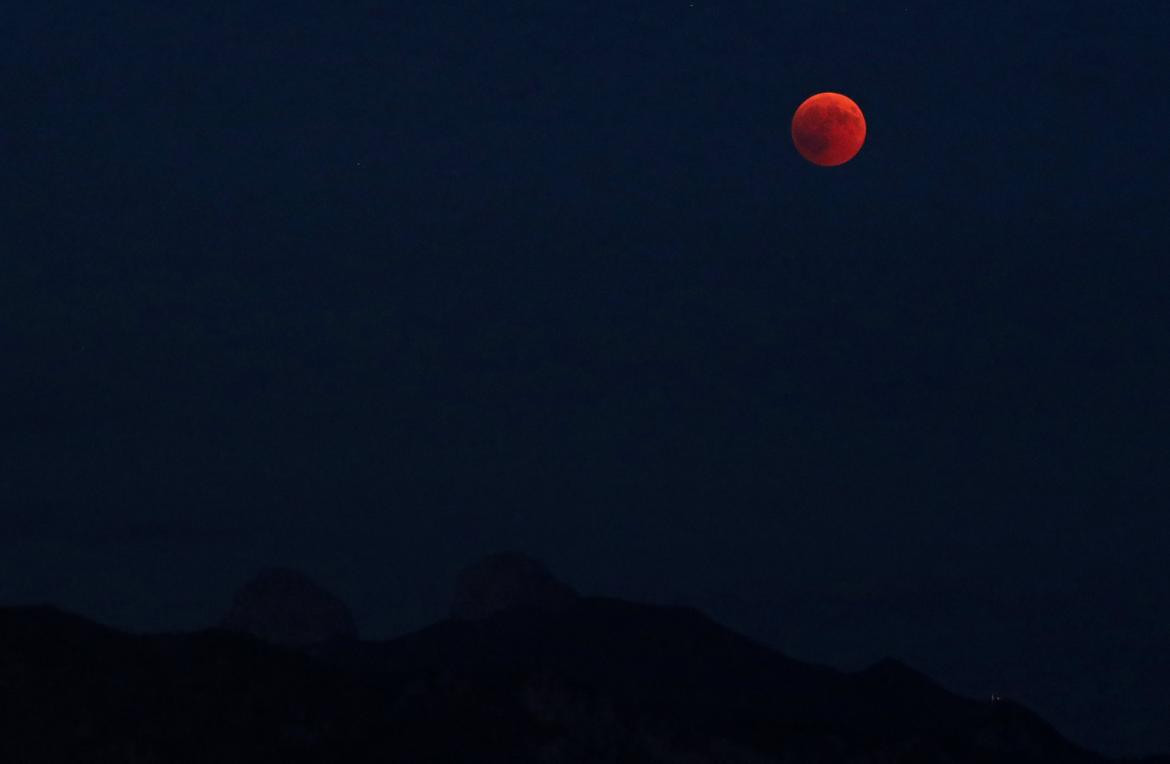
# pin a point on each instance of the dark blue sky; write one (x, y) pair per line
(372, 291)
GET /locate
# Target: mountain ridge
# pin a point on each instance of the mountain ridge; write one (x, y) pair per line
(603, 680)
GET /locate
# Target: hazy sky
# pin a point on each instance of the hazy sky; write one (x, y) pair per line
(372, 292)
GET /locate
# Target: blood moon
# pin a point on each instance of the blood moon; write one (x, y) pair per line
(828, 129)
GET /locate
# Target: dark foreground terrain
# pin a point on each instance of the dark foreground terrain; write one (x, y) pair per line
(586, 680)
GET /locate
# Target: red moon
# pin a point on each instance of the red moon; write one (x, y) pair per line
(828, 129)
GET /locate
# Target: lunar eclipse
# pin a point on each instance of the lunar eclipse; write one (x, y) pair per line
(828, 129)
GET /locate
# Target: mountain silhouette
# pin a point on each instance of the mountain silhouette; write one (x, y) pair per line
(591, 680)
(509, 581)
(286, 607)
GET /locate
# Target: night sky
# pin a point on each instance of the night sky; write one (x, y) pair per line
(372, 289)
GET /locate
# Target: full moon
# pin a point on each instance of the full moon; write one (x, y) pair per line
(828, 129)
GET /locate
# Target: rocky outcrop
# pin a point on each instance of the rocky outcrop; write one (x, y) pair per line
(286, 607)
(508, 581)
